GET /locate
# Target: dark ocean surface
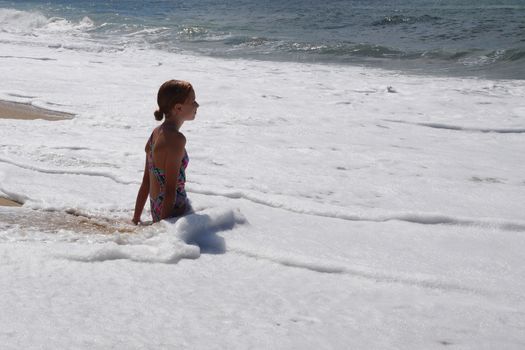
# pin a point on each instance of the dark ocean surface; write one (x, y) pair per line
(451, 37)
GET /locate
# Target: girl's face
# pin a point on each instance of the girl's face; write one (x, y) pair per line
(189, 108)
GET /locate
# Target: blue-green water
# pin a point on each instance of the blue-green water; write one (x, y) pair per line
(481, 38)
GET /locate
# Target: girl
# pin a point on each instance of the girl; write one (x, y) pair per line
(166, 157)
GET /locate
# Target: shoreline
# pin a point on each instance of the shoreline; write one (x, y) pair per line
(24, 111)
(5, 202)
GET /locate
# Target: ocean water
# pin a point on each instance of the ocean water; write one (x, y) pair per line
(484, 38)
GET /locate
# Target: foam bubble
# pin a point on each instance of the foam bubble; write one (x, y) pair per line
(21, 22)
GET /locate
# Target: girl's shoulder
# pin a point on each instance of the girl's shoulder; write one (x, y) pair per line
(151, 140)
(170, 138)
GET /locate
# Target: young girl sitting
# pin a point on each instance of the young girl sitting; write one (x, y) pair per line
(166, 158)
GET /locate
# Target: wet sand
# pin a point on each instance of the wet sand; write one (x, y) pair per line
(59, 221)
(8, 203)
(15, 110)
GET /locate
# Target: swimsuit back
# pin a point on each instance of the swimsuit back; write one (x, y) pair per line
(157, 202)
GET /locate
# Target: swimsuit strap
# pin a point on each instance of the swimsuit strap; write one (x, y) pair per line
(157, 172)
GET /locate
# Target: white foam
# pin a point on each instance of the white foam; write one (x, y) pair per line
(166, 242)
(165, 253)
(322, 266)
(464, 128)
(21, 22)
(302, 207)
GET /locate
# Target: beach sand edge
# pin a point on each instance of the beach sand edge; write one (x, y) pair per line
(24, 111)
(4, 202)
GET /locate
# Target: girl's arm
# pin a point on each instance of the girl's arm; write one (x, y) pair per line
(172, 163)
(142, 196)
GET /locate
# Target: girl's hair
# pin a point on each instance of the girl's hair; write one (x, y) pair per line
(170, 93)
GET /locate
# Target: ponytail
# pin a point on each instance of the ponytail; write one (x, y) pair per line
(158, 115)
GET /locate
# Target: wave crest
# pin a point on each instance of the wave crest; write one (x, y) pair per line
(31, 22)
(14, 21)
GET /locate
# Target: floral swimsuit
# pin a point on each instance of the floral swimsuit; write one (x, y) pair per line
(181, 197)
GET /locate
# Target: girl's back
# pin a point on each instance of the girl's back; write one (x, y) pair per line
(163, 150)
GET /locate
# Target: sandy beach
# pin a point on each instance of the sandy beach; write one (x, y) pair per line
(15, 110)
(8, 203)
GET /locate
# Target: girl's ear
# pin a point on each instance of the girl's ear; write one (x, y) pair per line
(177, 107)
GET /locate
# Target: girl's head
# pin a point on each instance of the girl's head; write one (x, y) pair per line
(174, 94)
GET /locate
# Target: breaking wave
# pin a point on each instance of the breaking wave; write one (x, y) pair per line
(24, 22)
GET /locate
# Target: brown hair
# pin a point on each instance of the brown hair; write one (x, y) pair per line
(170, 93)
